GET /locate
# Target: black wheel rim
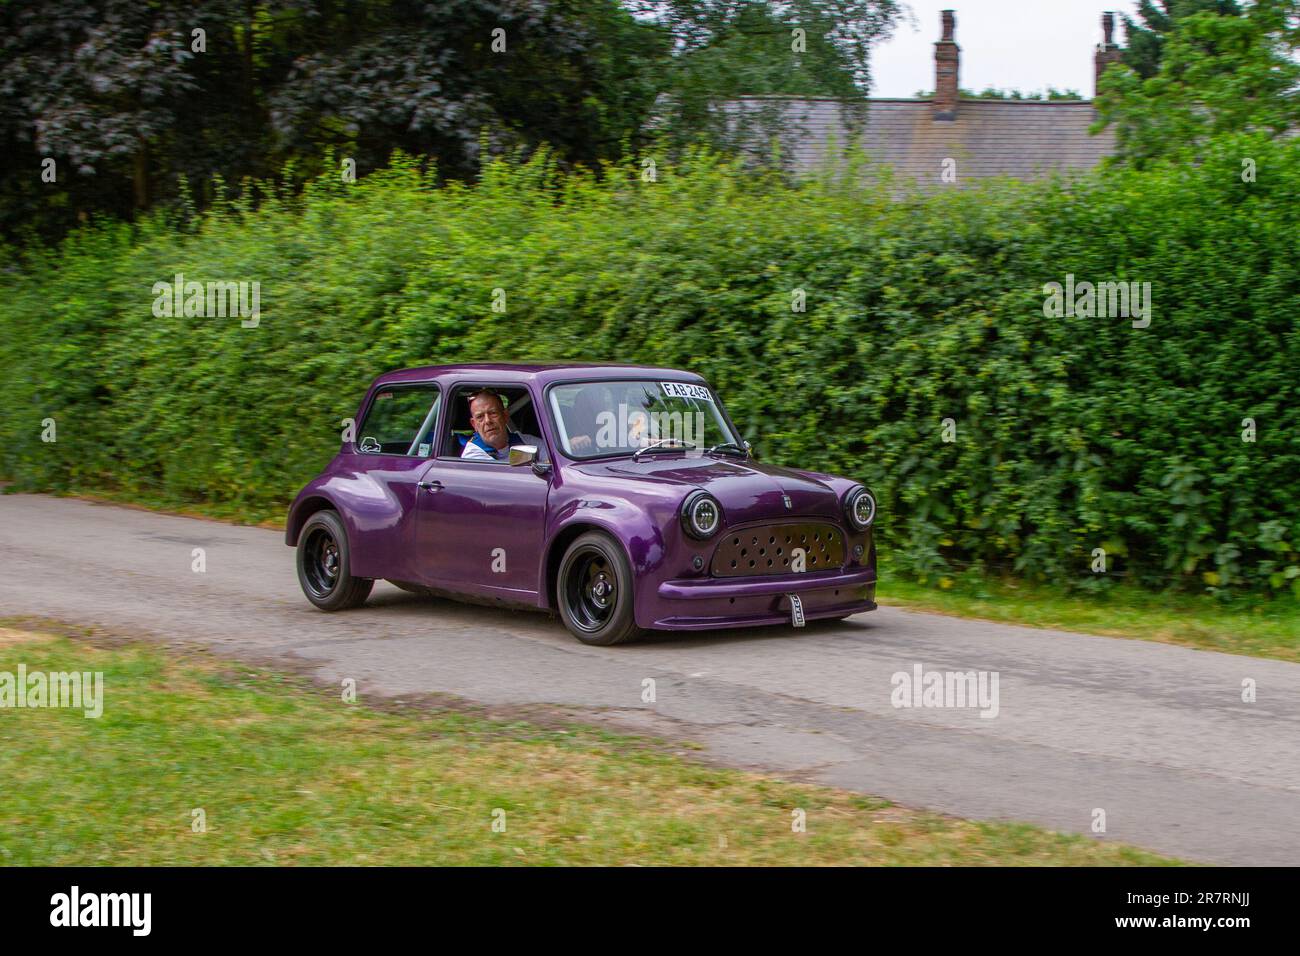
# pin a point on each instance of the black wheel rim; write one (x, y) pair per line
(591, 590)
(321, 562)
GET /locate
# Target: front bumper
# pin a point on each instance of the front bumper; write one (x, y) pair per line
(704, 603)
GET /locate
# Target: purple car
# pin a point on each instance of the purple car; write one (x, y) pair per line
(620, 497)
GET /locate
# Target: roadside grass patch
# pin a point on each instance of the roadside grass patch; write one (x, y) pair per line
(1269, 628)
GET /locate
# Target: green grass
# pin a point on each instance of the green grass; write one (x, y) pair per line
(1255, 628)
(287, 773)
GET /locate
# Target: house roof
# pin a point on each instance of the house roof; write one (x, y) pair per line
(1023, 139)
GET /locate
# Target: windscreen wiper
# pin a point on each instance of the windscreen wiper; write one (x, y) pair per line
(663, 444)
(728, 445)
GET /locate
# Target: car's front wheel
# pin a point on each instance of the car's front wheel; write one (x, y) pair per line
(594, 591)
(325, 565)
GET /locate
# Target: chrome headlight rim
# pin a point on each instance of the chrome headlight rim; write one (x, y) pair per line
(694, 515)
(856, 496)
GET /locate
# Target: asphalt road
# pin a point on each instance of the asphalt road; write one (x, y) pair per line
(1156, 736)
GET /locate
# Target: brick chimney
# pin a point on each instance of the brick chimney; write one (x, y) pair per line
(946, 56)
(1108, 50)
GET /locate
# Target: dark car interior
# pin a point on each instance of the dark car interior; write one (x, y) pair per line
(519, 406)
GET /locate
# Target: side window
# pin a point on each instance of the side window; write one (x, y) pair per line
(519, 408)
(400, 421)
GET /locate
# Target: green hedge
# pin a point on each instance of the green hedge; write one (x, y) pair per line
(1071, 433)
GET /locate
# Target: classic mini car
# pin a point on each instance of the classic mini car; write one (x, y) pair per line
(625, 501)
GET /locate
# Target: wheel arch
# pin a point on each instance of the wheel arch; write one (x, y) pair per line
(303, 510)
(560, 543)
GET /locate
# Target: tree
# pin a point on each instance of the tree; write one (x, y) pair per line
(135, 99)
(128, 99)
(1219, 73)
(433, 78)
(1144, 41)
(725, 50)
(98, 89)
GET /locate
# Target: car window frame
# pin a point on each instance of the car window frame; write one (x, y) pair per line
(437, 402)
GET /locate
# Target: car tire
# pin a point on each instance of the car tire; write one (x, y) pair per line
(594, 591)
(325, 565)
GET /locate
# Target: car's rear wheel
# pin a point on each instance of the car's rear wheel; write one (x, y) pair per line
(594, 591)
(325, 565)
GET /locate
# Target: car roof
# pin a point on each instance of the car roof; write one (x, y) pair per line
(542, 372)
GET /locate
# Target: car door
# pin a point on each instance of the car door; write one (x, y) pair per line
(480, 524)
(393, 448)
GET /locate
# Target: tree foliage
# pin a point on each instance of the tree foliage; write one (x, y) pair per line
(994, 93)
(1144, 38)
(726, 50)
(141, 102)
(1219, 71)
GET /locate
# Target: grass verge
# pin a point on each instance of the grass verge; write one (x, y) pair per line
(287, 773)
(1265, 629)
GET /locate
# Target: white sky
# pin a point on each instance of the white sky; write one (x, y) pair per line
(1025, 45)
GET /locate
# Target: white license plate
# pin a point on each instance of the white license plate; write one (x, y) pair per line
(796, 610)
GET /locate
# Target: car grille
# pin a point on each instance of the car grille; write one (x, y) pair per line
(767, 549)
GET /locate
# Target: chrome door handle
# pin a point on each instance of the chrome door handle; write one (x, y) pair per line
(431, 486)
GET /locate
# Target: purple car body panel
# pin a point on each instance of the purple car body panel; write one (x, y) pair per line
(438, 521)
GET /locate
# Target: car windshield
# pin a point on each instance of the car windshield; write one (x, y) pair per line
(596, 419)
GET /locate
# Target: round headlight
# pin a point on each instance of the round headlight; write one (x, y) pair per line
(701, 515)
(860, 508)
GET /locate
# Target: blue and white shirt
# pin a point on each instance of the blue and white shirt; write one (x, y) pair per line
(476, 449)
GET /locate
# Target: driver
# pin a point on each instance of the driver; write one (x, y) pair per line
(492, 435)
(593, 421)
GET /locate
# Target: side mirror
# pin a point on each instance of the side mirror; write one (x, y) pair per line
(527, 455)
(522, 455)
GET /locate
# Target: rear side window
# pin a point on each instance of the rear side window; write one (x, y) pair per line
(400, 421)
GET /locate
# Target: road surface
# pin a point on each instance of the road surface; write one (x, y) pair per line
(1158, 737)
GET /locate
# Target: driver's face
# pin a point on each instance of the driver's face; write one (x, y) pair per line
(488, 417)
